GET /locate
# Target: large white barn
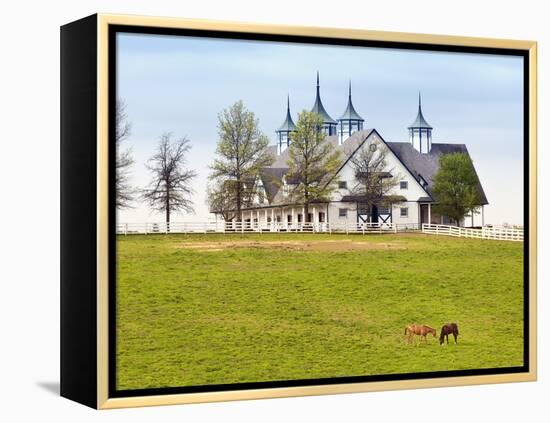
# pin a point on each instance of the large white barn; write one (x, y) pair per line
(414, 162)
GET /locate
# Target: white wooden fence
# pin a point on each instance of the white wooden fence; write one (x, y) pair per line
(245, 227)
(503, 234)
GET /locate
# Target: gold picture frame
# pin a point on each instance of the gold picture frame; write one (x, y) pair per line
(98, 363)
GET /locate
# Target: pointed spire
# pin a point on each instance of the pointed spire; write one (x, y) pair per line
(288, 124)
(319, 108)
(350, 113)
(420, 122)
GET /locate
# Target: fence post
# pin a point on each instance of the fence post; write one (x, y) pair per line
(125, 229)
(145, 228)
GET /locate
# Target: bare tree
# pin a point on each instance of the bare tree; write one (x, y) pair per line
(124, 160)
(374, 180)
(241, 153)
(170, 186)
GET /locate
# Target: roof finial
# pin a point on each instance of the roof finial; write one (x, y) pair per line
(419, 100)
(317, 79)
(288, 101)
(350, 88)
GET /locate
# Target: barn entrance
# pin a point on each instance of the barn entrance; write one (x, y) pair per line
(377, 214)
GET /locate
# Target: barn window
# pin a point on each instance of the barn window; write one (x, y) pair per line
(404, 212)
(404, 185)
(343, 212)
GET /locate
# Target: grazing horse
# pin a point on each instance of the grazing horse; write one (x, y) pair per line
(446, 330)
(420, 330)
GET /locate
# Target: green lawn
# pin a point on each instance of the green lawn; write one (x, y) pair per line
(188, 315)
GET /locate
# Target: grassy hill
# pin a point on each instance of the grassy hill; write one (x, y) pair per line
(215, 309)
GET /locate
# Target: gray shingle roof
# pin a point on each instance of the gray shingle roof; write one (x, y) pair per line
(271, 179)
(426, 165)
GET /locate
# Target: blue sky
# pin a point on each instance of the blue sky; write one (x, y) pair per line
(180, 84)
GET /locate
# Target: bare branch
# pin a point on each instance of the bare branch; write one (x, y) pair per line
(124, 191)
(170, 188)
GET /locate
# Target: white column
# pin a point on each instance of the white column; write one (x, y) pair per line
(429, 214)
(482, 216)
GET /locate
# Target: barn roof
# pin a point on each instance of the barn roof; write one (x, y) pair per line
(425, 166)
(420, 166)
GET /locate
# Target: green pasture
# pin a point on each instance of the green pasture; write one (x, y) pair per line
(241, 311)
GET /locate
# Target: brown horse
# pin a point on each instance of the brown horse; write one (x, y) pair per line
(446, 330)
(420, 330)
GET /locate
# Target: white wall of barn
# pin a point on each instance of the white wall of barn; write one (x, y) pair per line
(412, 216)
(412, 192)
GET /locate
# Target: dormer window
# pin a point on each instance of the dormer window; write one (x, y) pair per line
(342, 184)
(422, 181)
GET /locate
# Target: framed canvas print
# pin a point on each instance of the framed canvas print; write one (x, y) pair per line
(255, 211)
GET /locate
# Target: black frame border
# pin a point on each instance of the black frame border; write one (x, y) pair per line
(113, 30)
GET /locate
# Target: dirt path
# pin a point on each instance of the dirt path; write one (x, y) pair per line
(310, 245)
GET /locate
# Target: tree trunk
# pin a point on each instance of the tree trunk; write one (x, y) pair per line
(239, 214)
(167, 210)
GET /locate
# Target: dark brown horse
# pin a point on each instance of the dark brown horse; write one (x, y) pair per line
(449, 328)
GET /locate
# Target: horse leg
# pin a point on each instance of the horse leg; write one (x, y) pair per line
(455, 336)
(447, 337)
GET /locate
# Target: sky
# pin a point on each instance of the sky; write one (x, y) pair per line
(180, 84)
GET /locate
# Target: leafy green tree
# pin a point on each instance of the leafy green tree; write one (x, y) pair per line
(455, 187)
(313, 162)
(241, 153)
